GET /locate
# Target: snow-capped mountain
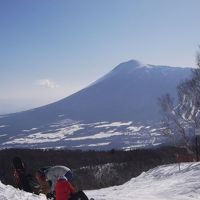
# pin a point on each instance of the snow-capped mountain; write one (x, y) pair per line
(96, 115)
(161, 183)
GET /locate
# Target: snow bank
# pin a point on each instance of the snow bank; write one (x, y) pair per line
(8, 192)
(162, 183)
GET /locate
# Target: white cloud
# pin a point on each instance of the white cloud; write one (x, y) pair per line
(47, 83)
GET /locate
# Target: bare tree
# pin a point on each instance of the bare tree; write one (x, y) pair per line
(182, 118)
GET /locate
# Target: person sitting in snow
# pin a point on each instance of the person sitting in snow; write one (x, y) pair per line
(23, 180)
(54, 173)
(59, 178)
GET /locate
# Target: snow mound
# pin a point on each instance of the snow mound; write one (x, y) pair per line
(8, 192)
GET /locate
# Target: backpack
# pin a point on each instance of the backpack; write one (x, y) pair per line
(80, 195)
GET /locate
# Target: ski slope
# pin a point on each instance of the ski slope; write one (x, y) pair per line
(161, 183)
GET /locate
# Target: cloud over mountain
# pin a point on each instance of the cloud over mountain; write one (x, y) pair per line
(46, 83)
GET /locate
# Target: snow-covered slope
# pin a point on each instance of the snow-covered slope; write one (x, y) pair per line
(8, 192)
(161, 183)
(128, 93)
(97, 136)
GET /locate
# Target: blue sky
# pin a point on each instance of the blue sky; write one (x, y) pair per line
(52, 48)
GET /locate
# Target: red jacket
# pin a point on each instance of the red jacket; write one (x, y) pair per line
(63, 189)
